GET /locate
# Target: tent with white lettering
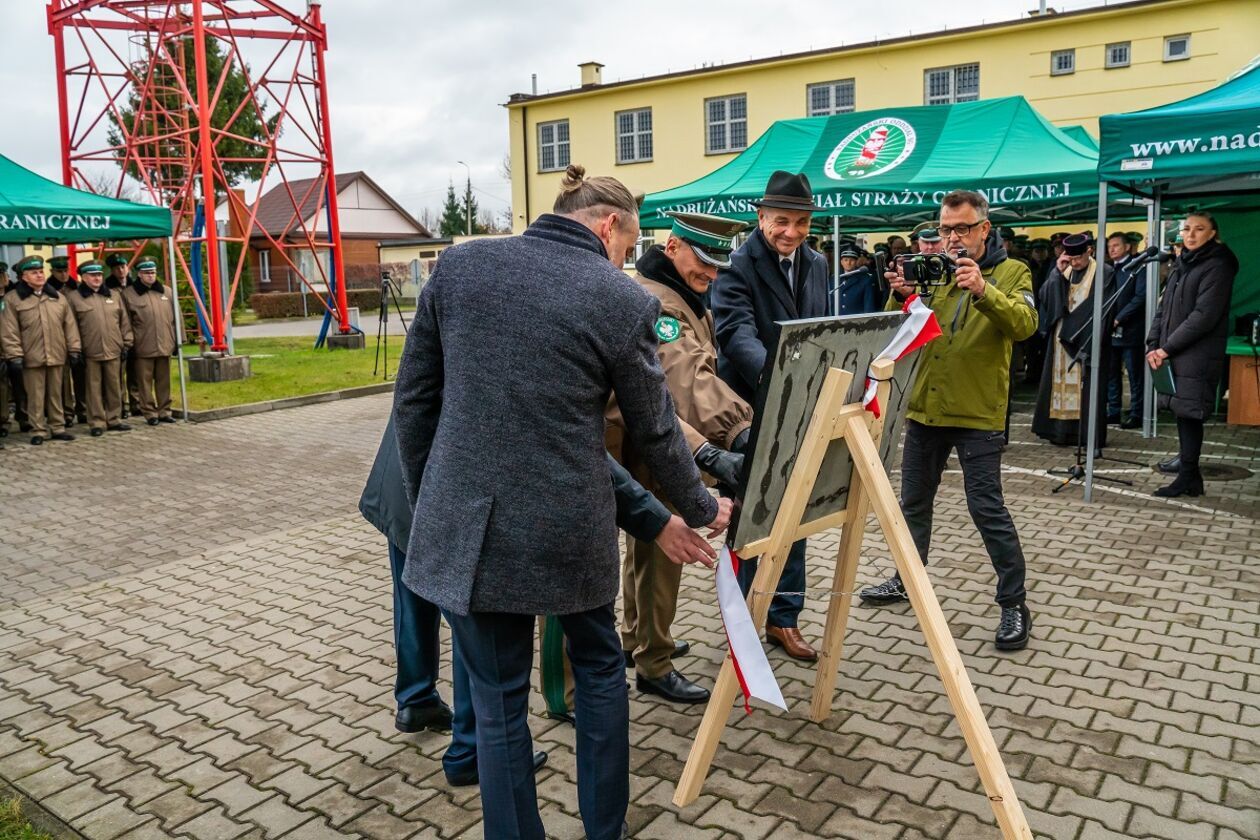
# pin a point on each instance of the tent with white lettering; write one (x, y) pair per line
(1202, 152)
(36, 210)
(888, 169)
(1208, 143)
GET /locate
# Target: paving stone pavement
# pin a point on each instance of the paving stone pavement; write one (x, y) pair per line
(208, 654)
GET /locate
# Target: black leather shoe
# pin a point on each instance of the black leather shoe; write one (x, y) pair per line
(436, 717)
(1014, 629)
(120, 427)
(1170, 467)
(889, 592)
(125, 414)
(62, 436)
(152, 421)
(167, 420)
(563, 717)
(674, 687)
(1131, 423)
(69, 424)
(1189, 482)
(36, 440)
(97, 432)
(472, 777)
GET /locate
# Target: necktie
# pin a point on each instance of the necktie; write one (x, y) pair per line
(786, 265)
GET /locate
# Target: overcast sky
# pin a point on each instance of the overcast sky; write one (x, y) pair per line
(417, 86)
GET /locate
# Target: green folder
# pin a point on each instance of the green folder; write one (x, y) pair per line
(1163, 379)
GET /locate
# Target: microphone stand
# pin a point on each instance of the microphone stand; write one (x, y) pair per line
(1082, 339)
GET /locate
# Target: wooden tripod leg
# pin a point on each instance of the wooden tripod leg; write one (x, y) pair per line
(841, 600)
(962, 696)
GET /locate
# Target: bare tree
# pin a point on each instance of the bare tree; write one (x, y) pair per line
(108, 184)
(505, 168)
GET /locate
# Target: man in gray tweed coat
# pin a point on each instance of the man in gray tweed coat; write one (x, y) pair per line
(515, 349)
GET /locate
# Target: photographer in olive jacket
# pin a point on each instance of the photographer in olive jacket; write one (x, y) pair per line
(958, 401)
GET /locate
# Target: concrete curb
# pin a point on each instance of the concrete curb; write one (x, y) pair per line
(288, 402)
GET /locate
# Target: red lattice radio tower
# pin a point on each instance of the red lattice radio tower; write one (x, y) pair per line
(188, 99)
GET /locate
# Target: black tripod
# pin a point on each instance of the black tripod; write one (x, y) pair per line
(382, 325)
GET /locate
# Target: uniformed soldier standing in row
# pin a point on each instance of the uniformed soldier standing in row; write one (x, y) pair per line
(153, 328)
(11, 393)
(117, 280)
(72, 383)
(713, 417)
(38, 336)
(105, 331)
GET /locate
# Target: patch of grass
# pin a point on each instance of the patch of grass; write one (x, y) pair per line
(288, 367)
(13, 826)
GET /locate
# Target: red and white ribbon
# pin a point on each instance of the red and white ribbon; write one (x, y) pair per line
(916, 331)
(752, 668)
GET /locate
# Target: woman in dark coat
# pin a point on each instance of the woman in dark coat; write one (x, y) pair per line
(1190, 330)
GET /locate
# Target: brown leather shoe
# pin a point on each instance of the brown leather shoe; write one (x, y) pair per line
(789, 638)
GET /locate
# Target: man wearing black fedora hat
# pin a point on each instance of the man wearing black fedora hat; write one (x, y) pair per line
(774, 276)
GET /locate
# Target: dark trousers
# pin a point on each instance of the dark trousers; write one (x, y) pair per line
(1190, 442)
(1131, 360)
(416, 625)
(923, 461)
(785, 609)
(497, 649)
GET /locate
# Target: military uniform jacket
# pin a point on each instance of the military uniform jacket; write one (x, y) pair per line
(104, 326)
(39, 329)
(152, 320)
(709, 410)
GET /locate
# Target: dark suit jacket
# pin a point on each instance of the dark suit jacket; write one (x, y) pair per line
(1131, 306)
(384, 501)
(751, 296)
(516, 346)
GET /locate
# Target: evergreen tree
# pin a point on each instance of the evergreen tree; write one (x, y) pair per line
(162, 115)
(453, 220)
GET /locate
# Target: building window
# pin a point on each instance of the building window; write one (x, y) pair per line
(1176, 47)
(943, 85)
(641, 245)
(1062, 62)
(1117, 55)
(827, 98)
(264, 266)
(726, 123)
(634, 135)
(553, 145)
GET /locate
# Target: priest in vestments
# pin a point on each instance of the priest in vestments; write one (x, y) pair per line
(1065, 309)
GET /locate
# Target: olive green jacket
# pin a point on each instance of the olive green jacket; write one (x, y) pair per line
(965, 375)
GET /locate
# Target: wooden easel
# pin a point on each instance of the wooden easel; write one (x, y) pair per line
(868, 489)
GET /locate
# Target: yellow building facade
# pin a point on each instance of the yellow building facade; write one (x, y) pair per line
(659, 132)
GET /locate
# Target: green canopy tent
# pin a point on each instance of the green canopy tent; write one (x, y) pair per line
(1199, 152)
(888, 169)
(1081, 135)
(35, 209)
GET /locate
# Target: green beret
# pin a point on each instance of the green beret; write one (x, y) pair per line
(28, 264)
(115, 260)
(146, 265)
(1006, 233)
(1133, 237)
(4, 266)
(91, 267)
(59, 263)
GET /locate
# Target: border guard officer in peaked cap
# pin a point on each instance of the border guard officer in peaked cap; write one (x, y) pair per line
(105, 330)
(117, 279)
(38, 336)
(713, 417)
(155, 337)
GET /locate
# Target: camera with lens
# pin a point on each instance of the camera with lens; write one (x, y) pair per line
(923, 271)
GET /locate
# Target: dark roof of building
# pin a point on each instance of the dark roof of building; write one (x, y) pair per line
(525, 98)
(278, 216)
